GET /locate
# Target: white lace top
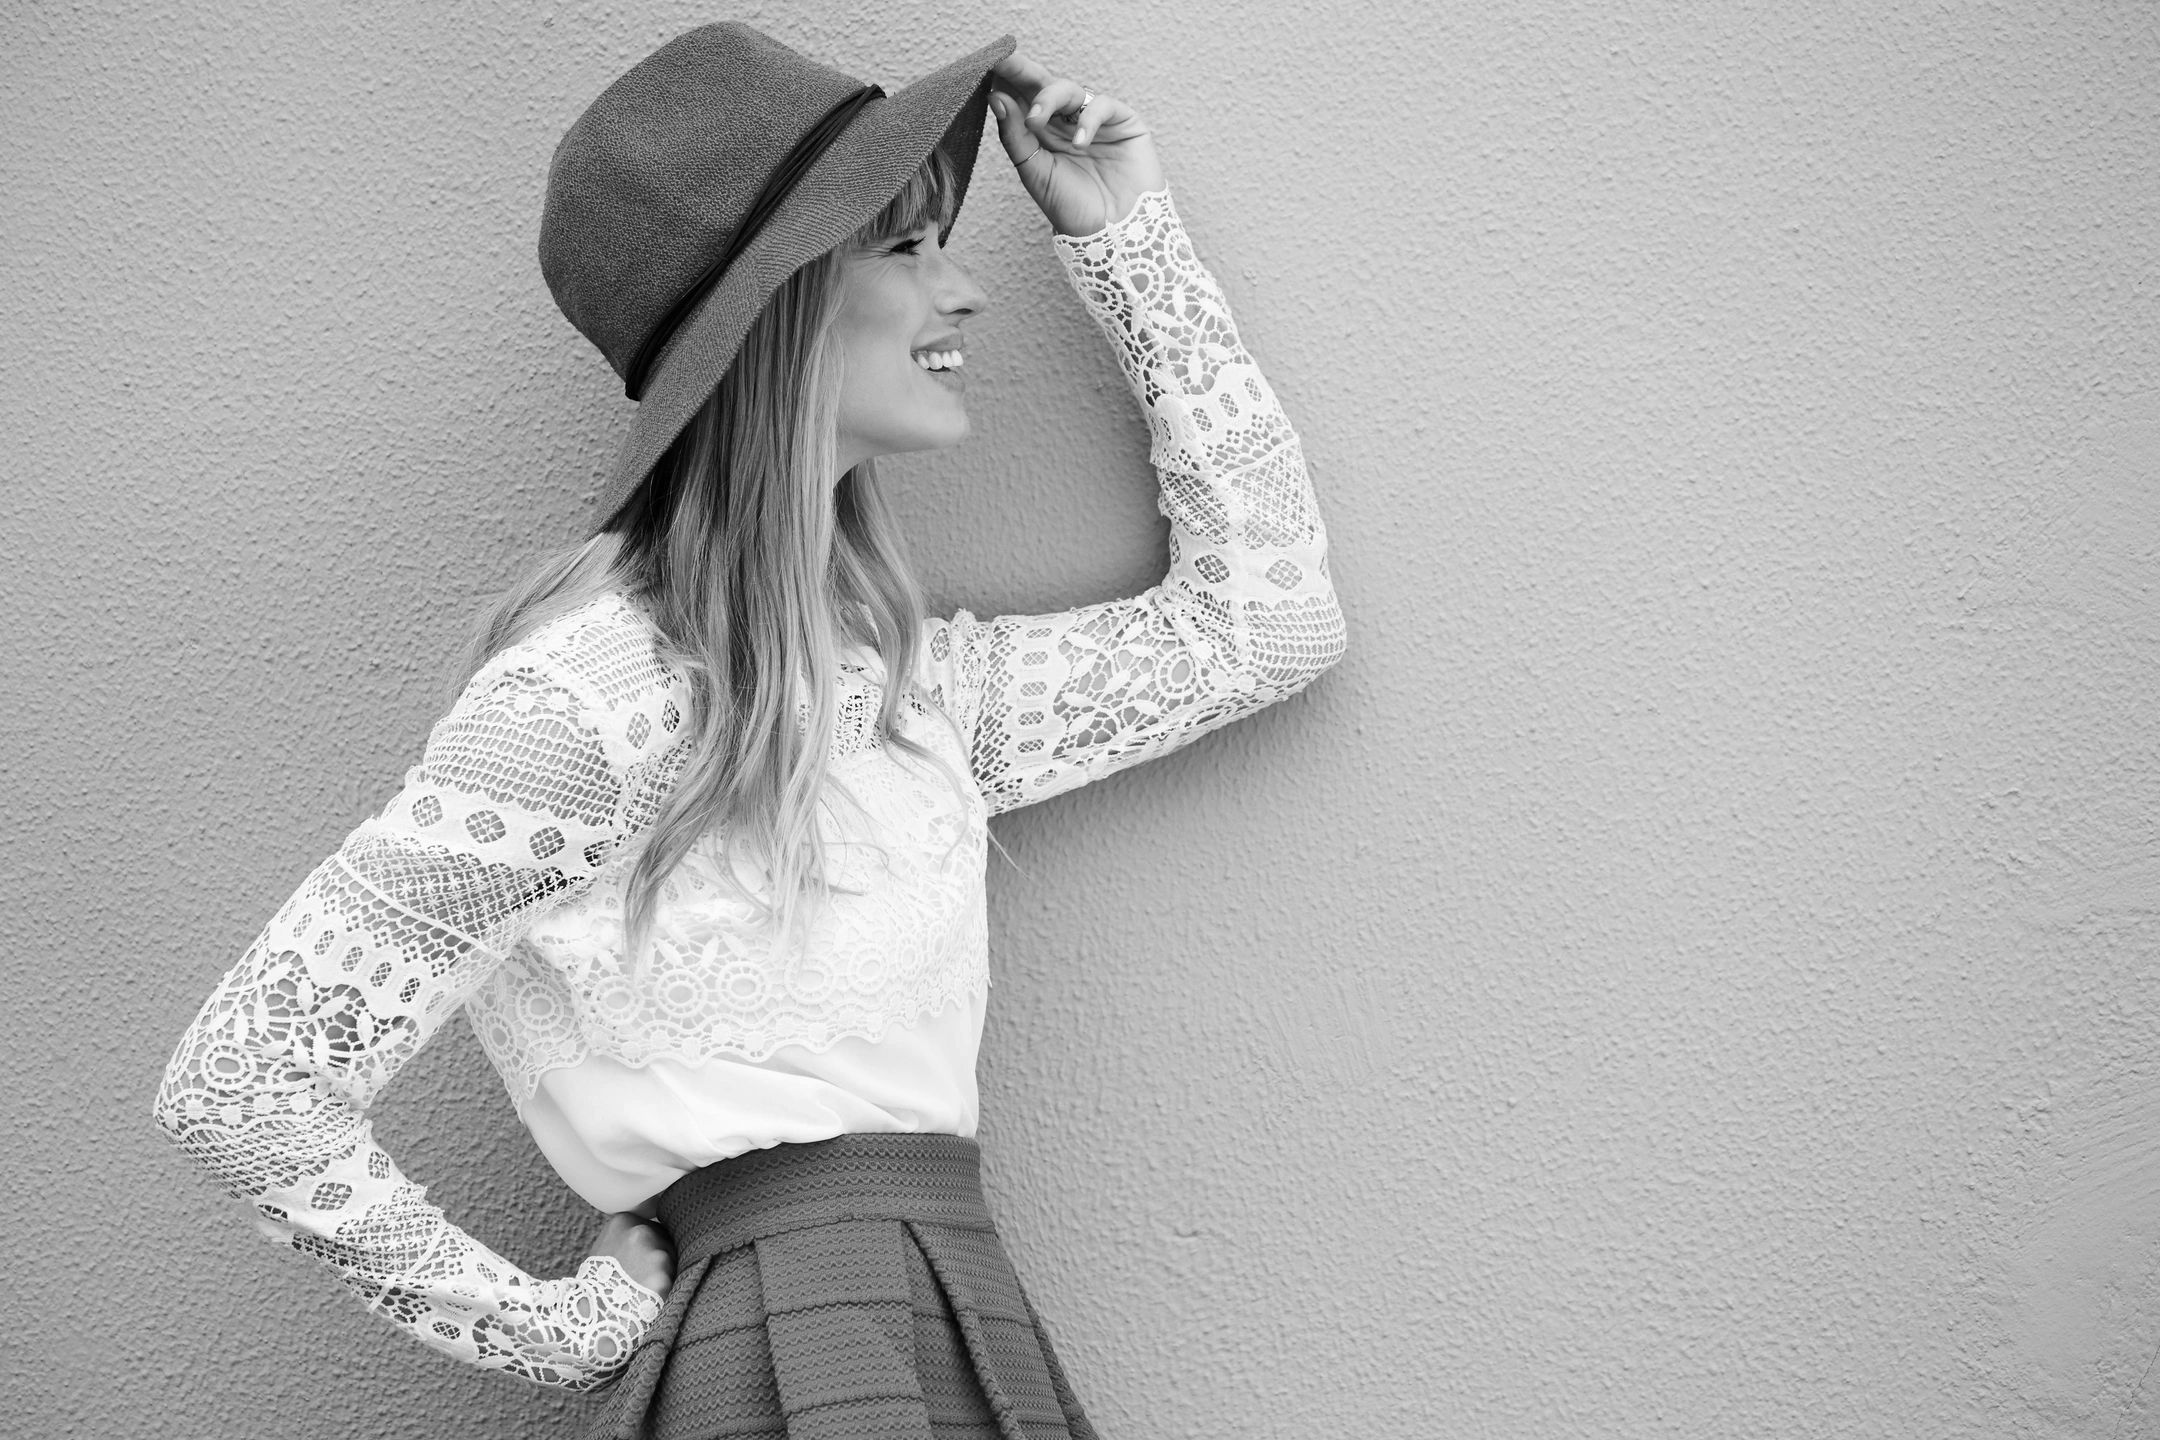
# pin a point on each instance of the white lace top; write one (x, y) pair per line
(494, 880)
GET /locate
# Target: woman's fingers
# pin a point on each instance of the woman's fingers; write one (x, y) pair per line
(1098, 111)
(1063, 116)
(1048, 99)
(1014, 134)
(1021, 144)
(1057, 96)
(1066, 117)
(1022, 72)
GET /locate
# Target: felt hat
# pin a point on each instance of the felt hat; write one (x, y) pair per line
(690, 190)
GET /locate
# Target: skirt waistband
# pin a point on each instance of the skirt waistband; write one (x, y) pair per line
(761, 1193)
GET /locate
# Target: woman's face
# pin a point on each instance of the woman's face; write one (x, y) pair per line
(900, 347)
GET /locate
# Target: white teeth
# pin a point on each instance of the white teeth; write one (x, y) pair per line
(940, 359)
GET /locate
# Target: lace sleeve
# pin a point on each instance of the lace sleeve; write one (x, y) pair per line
(520, 796)
(1246, 615)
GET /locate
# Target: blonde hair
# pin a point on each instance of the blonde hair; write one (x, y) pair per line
(753, 567)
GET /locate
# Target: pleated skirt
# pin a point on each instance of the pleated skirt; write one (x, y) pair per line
(851, 1289)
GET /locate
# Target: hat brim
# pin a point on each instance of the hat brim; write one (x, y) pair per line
(872, 159)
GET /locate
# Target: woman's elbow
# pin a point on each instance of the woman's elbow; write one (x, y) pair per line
(1302, 644)
(168, 1108)
(178, 1106)
(198, 1105)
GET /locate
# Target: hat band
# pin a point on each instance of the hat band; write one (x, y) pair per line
(777, 187)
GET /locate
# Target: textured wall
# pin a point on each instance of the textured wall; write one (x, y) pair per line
(1694, 970)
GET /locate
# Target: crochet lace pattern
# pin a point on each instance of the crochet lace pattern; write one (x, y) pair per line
(493, 881)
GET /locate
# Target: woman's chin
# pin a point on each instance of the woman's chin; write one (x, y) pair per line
(944, 437)
(936, 424)
(949, 431)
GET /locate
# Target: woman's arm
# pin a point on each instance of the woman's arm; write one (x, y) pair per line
(518, 799)
(1246, 615)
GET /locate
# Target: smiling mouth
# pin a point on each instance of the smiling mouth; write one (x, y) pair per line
(942, 367)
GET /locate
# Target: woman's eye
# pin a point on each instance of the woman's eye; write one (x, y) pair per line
(907, 247)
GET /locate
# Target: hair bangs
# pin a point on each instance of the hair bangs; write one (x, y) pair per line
(930, 197)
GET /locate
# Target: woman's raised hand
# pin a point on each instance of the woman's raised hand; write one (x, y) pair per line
(641, 1248)
(1084, 163)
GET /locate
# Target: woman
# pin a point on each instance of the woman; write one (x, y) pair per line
(700, 848)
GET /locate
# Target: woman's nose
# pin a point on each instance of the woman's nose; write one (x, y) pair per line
(958, 294)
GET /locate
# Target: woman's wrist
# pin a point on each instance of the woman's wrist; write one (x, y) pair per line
(609, 1276)
(1132, 209)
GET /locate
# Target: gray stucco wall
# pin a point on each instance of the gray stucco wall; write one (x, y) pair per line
(1694, 970)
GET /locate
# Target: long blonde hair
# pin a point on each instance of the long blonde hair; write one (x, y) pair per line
(753, 567)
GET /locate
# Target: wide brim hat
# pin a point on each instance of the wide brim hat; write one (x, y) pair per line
(695, 184)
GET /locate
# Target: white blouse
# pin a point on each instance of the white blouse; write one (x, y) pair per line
(494, 880)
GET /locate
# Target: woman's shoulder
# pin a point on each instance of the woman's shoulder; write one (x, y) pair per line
(606, 650)
(561, 732)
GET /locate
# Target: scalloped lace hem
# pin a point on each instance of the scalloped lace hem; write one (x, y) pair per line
(522, 1080)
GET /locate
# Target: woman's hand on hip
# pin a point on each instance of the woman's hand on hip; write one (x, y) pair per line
(1084, 160)
(641, 1248)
